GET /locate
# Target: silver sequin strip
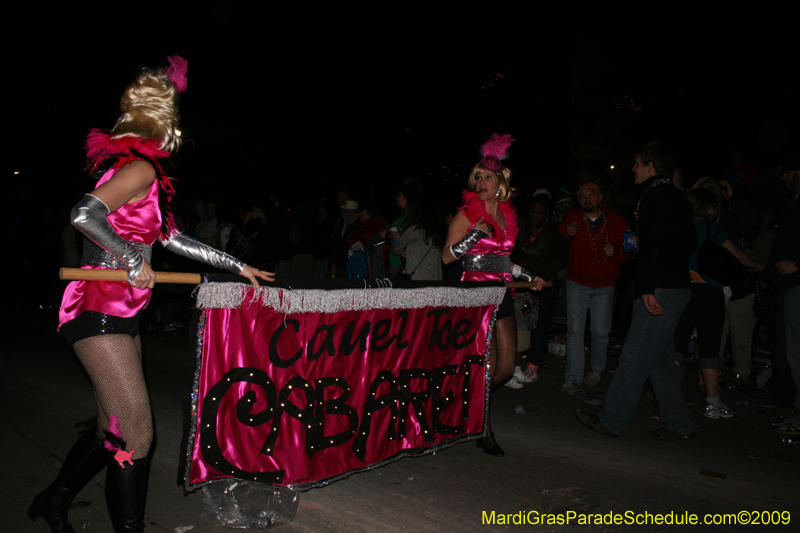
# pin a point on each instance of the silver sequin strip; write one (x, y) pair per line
(286, 301)
(201, 326)
(93, 255)
(487, 263)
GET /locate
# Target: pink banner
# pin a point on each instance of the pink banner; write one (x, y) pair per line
(305, 397)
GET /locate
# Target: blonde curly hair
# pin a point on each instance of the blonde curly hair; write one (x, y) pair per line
(503, 178)
(149, 108)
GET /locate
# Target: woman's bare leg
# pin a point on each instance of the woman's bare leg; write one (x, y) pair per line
(502, 351)
(505, 351)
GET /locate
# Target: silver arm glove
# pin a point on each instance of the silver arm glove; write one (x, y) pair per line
(89, 217)
(193, 249)
(517, 272)
(460, 248)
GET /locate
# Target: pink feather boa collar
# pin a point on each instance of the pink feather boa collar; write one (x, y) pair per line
(101, 147)
(474, 209)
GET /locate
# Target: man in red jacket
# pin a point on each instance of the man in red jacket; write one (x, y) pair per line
(596, 252)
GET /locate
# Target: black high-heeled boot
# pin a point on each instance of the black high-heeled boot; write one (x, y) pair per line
(86, 459)
(489, 445)
(126, 487)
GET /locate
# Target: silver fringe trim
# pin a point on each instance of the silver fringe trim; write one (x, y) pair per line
(287, 301)
(93, 255)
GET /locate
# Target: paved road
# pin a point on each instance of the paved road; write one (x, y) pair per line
(44, 393)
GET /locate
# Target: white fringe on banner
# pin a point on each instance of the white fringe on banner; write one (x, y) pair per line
(289, 301)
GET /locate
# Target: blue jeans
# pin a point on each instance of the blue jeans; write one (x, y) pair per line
(600, 303)
(791, 324)
(649, 353)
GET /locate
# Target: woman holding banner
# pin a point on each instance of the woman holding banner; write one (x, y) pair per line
(122, 218)
(483, 234)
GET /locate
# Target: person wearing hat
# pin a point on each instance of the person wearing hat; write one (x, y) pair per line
(596, 252)
(348, 225)
(563, 201)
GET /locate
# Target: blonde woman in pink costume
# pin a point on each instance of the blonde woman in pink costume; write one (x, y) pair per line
(122, 218)
(482, 234)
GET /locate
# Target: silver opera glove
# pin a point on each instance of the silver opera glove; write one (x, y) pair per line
(186, 246)
(89, 217)
(460, 248)
(518, 272)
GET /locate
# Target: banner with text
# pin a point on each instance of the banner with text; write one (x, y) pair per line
(302, 387)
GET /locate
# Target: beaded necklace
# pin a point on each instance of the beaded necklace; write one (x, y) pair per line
(592, 235)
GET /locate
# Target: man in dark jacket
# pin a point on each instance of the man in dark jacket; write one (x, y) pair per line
(666, 239)
(783, 273)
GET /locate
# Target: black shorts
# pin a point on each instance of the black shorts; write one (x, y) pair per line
(92, 324)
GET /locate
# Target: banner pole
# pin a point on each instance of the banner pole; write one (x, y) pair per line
(525, 284)
(188, 278)
(86, 274)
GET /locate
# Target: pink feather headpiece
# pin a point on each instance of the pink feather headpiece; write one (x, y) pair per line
(177, 72)
(494, 150)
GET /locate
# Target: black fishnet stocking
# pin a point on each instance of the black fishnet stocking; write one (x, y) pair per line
(114, 364)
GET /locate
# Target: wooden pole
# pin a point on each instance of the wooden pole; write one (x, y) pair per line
(86, 274)
(525, 284)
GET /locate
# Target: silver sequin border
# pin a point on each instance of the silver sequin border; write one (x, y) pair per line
(201, 327)
(288, 301)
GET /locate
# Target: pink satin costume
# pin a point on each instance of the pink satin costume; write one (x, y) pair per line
(137, 222)
(500, 243)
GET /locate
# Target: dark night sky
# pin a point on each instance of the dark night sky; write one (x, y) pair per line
(298, 99)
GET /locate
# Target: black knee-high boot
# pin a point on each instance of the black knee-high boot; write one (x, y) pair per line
(85, 460)
(126, 487)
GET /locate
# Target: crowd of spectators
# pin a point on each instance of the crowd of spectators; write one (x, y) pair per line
(580, 250)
